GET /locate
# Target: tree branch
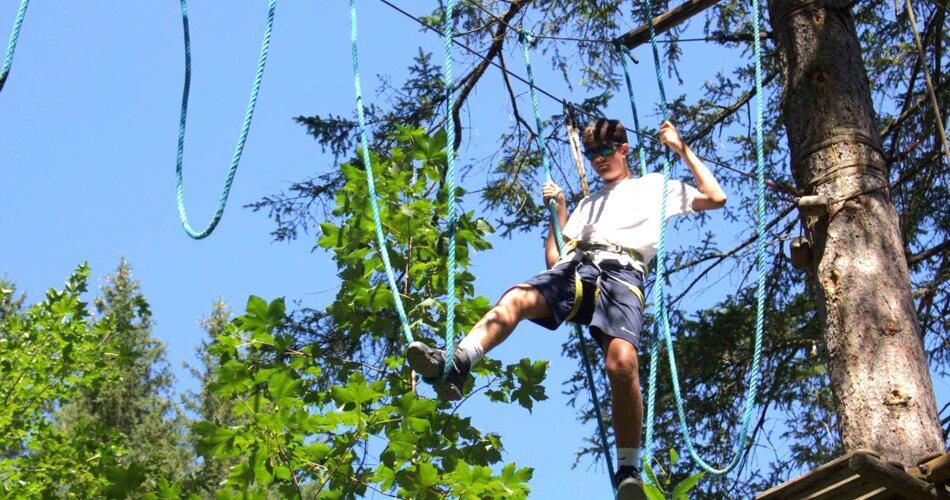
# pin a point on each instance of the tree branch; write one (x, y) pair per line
(926, 254)
(729, 111)
(498, 41)
(733, 252)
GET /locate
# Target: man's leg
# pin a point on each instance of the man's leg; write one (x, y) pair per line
(518, 303)
(623, 370)
(624, 373)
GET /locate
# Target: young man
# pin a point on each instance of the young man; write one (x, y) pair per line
(611, 235)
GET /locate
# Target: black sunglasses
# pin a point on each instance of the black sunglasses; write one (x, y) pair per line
(605, 150)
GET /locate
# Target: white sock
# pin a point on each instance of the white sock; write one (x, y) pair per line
(628, 456)
(473, 349)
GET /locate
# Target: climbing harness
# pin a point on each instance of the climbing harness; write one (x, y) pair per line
(659, 299)
(222, 201)
(595, 253)
(449, 181)
(11, 46)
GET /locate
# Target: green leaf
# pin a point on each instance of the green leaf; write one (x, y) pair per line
(680, 490)
(276, 311)
(256, 307)
(282, 386)
(653, 493)
(385, 476)
(314, 452)
(511, 475)
(673, 457)
(426, 475)
(651, 477)
(283, 473)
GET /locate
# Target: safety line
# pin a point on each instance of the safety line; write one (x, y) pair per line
(371, 183)
(450, 190)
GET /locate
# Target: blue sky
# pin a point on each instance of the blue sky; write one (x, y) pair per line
(88, 130)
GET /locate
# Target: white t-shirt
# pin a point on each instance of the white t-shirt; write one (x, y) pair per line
(627, 213)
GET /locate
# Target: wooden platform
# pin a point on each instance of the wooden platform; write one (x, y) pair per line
(858, 475)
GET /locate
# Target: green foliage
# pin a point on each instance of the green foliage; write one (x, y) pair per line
(660, 486)
(138, 407)
(67, 426)
(327, 409)
(290, 432)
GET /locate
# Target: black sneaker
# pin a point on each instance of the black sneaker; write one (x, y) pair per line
(629, 484)
(430, 362)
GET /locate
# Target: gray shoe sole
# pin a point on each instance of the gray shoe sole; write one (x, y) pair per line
(429, 362)
(631, 490)
(425, 360)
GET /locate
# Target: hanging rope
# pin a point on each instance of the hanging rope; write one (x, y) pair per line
(452, 218)
(573, 138)
(526, 40)
(222, 201)
(930, 85)
(624, 54)
(11, 46)
(450, 186)
(658, 297)
(370, 181)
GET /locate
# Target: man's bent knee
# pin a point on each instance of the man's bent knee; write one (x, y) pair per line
(523, 302)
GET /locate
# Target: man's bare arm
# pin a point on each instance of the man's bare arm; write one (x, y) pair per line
(711, 196)
(551, 191)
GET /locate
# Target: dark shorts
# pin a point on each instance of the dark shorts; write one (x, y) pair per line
(617, 311)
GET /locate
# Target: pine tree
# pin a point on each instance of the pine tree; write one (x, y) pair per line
(136, 409)
(10, 302)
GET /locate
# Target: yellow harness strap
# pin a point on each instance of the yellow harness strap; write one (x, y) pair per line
(579, 292)
(578, 296)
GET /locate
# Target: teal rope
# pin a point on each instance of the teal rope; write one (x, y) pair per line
(11, 47)
(368, 166)
(222, 201)
(559, 238)
(661, 309)
(450, 187)
(624, 53)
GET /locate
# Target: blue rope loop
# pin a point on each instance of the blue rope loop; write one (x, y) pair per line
(370, 181)
(526, 40)
(239, 149)
(659, 301)
(11, 46)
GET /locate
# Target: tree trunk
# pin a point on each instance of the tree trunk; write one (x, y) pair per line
(883, 393)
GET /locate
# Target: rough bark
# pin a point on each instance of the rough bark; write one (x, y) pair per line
(879, 373)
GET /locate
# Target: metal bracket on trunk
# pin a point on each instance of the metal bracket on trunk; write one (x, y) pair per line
(801, 253)
(813, 206)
